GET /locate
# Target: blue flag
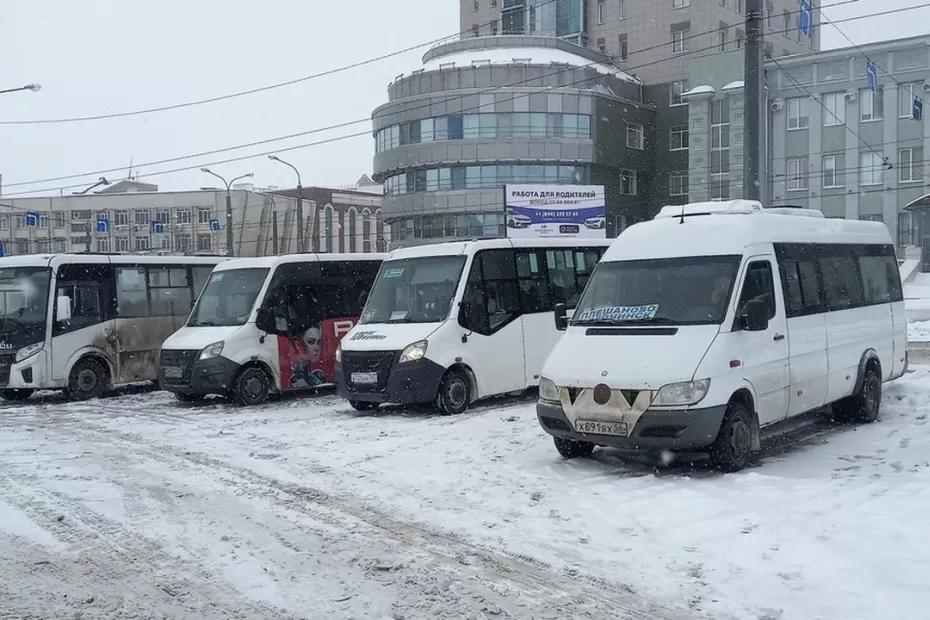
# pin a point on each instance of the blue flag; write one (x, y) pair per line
(214, 225)
(2, 249)
(103, 225)
(158, 227)
(871, 74)
(32, 218)
(806, 18)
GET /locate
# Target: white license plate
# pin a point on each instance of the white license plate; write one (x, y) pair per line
(173, 372)
(365, 377)
(589, 427)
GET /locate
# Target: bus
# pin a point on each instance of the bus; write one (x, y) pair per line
(84, 323)
(267, 325)
(452, 323)
(709, 326)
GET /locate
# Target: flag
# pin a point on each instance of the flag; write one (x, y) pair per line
(32, 218)
(871, 74)
(103, 225)
(2, 249)
(158, 227)
(214, 225)
(806, 18)
(918, 112)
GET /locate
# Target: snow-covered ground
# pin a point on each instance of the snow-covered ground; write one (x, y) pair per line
(134, 505)
(918, 331)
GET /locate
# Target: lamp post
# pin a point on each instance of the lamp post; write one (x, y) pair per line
(32, 87)
(228, 184)
(301, 245)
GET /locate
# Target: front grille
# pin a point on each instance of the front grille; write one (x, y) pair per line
(178, 359)
(5, 362)
(367, 361)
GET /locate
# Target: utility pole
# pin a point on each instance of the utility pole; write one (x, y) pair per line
(229, 213)
(753, 114)
(274, 232)
(301, 241)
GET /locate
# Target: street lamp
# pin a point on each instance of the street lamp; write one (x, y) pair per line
(100, 181)
(301, 245)
(32, 87)
(228, 184)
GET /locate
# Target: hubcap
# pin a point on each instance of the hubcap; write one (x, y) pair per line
(739, 439)
(253, 387)
(87, 380)
(456, 393)
(869, 394)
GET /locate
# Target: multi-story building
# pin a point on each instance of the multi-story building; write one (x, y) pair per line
(482, 113)
(140, 220)
(645, 36)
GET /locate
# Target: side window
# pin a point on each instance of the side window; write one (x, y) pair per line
(800, 277)
(131, 297)
(893, 275)
(293, 298)
(86, 307)
(534, 286)
(875, 281)
(169, 291)
(500, 283)
(561, 268)
(841, 280)
(474, 303)
(362, 278)
(758, 286)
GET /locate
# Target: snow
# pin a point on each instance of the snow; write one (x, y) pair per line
(918, 331)
(524, 55)
(699, 90)
(305, 507)
(734, 85)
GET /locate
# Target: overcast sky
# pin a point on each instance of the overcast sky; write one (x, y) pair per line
(118, 58)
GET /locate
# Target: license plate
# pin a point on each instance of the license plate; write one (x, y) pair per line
(173, 372)
(619, 429)
(365, 377)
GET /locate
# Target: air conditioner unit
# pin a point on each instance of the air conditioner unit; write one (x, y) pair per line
(927, 88)
(851, 96)
(778, 105)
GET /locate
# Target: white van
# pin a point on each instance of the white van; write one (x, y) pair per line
(455, 322)
(264, 325)
(714, 321)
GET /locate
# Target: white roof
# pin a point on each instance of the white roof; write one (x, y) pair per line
(734, 85)
(731, 233)
(464, 248)
(268, 262)
(40, 260)
(526, 55)
(699, 90)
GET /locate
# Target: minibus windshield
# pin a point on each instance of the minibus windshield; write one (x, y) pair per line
(24, 302)
(228, 297)
(414, 290)
(668, 291)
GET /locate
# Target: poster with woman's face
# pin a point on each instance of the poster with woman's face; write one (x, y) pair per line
(308, 359)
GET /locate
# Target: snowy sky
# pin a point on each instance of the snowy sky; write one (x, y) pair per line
(118, 58)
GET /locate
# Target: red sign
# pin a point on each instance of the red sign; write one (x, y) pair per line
(309, 360)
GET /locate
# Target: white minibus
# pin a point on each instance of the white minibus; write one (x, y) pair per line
(267, 325)
(85, 323)
(712, 323)
(455, 322)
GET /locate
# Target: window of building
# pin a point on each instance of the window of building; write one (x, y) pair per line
(4, 222)
(770, 15)
(798, 115)
(204, 214)
(678, 183)
(19, 221)
(906, 94)
(58, 246)
(834, 109)
(680, 4)
(871, 104)
(183, 216)
(786, 19)
(601, 5)
(142, 217)
(476, 6)
(121, 218)
(122, 244)
(628, 182)
(634, 136)
(60, 219)
(103, 244)
(142, 242)
(679, 139)
(740, 36)
(680, 34)
(163, 216)
(870, 169)
(831, 175)
(602, 45)
(720, 150)
(797, 173)
(182, 243)
(722, 36)
(908, 229)
(623, 9)
(204, 242)
(676, 90)
(910, 165)
(624, 43)
(494, 28)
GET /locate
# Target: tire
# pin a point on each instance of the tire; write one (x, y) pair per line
(360, 405)
(16, 395)
(89, 379)
(454, 393)
(732, 450)
(571, 449)
(251, 387)
(864, 405)
(189, 398)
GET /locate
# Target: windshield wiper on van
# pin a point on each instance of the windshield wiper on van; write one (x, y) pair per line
(658, 320)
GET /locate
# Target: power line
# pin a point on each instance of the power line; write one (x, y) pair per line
(858, 48)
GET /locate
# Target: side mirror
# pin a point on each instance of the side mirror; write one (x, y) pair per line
(264, 320)
(755, 316)
(561, 317)
(63, 308)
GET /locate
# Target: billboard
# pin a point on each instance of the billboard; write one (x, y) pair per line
(555, 211)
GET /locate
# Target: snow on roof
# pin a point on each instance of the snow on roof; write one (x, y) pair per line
(267, 262)
(699, 90)
(464, 248)
(734, 85)
(521, 55)
(706, 208)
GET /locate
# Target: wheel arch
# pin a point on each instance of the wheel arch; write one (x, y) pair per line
(870, 360)
(95, 354)
(472, 379)
(264, 367)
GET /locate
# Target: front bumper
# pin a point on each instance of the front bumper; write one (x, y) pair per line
(406, 384)
(680, 429)
(212, 376)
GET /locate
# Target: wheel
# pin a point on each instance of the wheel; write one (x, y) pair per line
(189, 398)
(864, 405)
(360, 405)
(89, 379)
(251, 387)
(732, 450)
(16, 395)
(571, 449)
(454, 393)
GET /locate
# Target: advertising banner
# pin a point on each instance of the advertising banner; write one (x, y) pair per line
(555, 211)
(308, 360)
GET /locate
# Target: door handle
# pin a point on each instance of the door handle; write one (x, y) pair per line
(779, 337)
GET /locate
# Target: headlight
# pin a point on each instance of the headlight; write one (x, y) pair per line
(547, 390)
(338, 355)
(413, 352)
(685, 393)
(27, 352)
(212, 351)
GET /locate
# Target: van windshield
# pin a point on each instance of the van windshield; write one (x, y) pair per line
(669, 291)
(414, 290)
(228, 297)
(23, 304)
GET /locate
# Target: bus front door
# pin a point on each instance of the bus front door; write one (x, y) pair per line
(91, 326)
